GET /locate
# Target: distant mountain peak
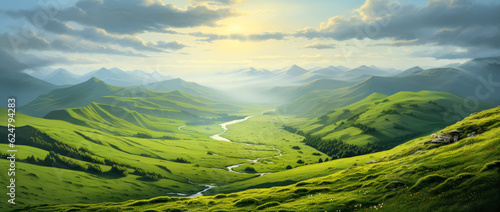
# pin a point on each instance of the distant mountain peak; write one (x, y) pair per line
(175, 80)
(94, 80)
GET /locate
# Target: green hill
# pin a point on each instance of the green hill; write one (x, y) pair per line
(23, 87)
(420, 175)
(135, 98)
(188, 87)
(387, 120)
(105, 152)
(288, 93)
(319, 102)
(77, 96)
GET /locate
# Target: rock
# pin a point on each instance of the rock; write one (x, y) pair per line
(450, 137)
(472, 134)
(370, 162)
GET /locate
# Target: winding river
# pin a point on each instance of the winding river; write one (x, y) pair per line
(232, 167)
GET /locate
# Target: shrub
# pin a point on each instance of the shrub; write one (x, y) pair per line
(143, 135)
(220, 196)
(250, 170)
(181, 160)
(296, 147)
(268, 205)
(166, 137)
(246, 202)
(119, 170)
(288, 167)
(300, 161)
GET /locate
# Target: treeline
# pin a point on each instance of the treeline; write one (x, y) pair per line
(32, 137)
(336, 148)
(56, 160)
(65, 156)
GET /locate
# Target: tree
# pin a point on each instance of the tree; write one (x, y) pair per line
(320, 160)
(250, 169)
(300, 161)
(288, 167)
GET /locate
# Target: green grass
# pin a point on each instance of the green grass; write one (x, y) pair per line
(394, 119)
(266, 130)
(107, 132)
(414, 176)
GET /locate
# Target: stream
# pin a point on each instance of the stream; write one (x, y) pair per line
(232, 167)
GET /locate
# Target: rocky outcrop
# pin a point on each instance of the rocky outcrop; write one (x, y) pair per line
(449, 137)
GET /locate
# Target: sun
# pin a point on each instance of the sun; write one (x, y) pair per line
(235, 29)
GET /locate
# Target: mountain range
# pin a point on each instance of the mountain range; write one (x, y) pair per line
(464, 82)
(112, 76)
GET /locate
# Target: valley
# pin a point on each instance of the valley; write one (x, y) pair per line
(339, 141)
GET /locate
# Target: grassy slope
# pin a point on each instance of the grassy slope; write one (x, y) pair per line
(188, 87)
(137, 98)
(463, 176)
(289, 93)
(114, 139)
(414, 114)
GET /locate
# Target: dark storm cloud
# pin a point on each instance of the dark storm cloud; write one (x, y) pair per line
(132, 17)
(464, 23)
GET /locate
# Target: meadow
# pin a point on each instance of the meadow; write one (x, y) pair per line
(418, 175)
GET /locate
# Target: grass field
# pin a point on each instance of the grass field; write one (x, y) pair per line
(414, 176)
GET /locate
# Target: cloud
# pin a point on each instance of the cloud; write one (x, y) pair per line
(174, 45)
(9, 64)
(320, 46)
(101, 36)
(63, 43)
(252, 37)
(462, 23)
(132, 17)
(217, 2)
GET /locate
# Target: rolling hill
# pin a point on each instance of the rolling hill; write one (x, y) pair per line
(134, 98)
(319, 102)
(420, 175)
(288, 93)
(23, 87)
(188, 87)
(387, 121)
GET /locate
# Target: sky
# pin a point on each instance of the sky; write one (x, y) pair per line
(195, 37)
